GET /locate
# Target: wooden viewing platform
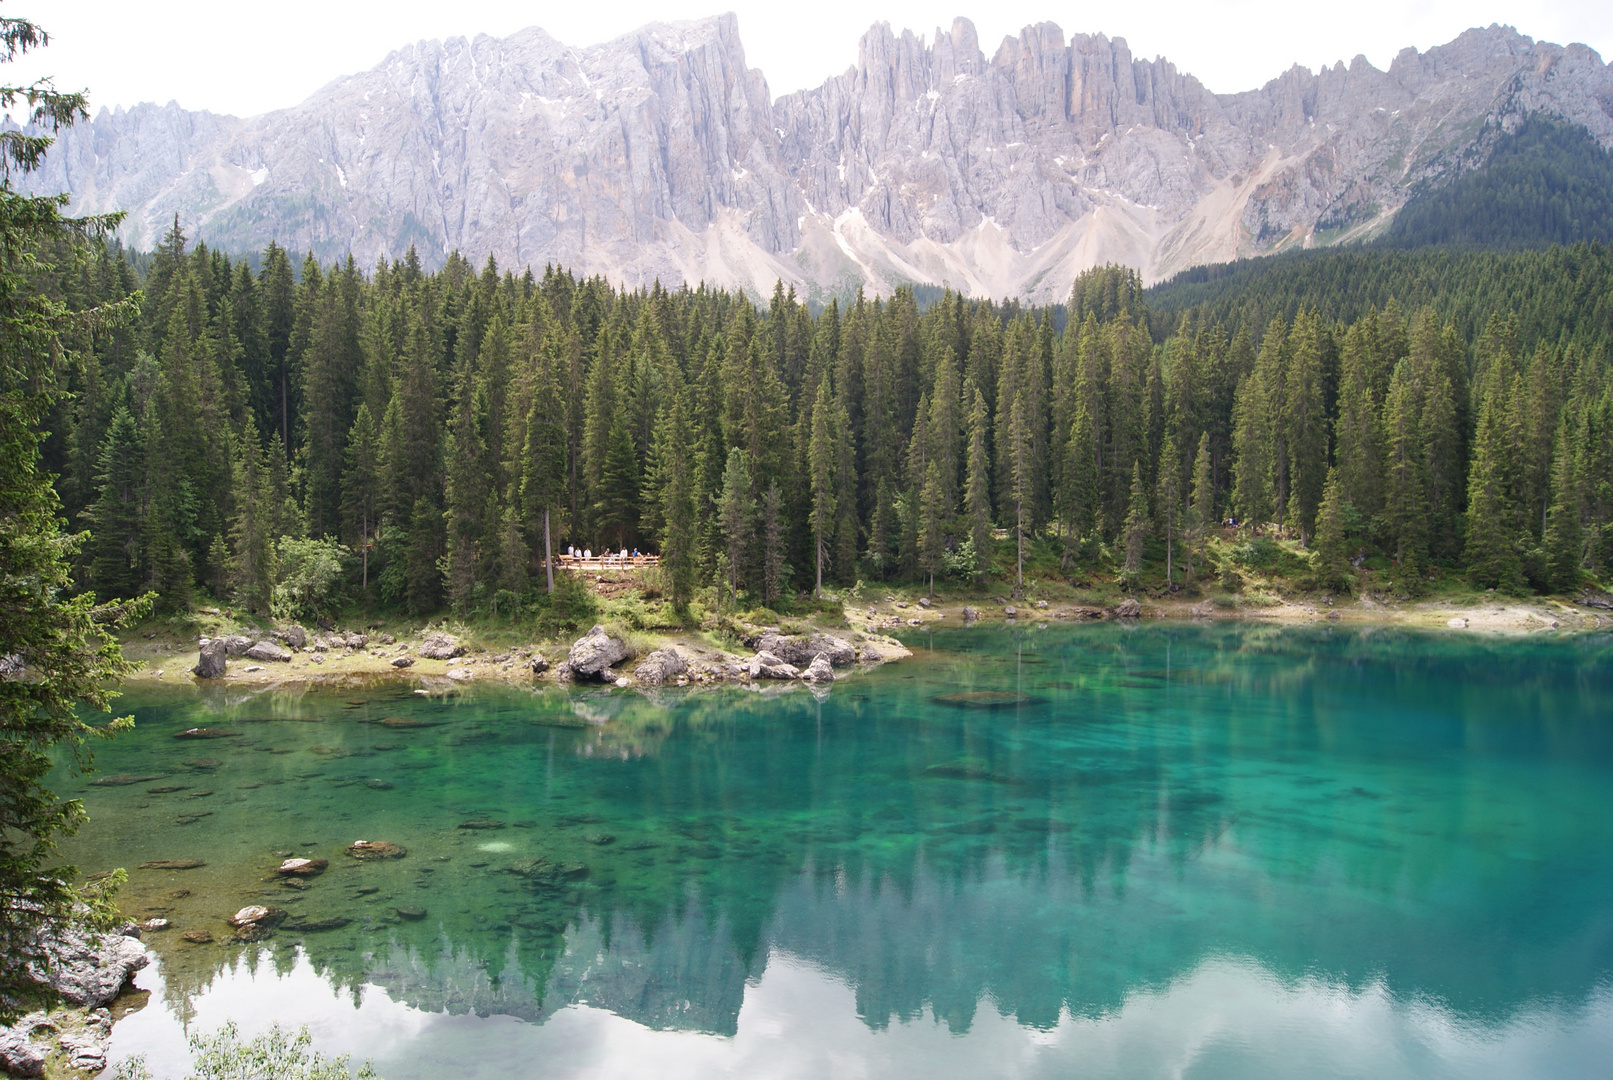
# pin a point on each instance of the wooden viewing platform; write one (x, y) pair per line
(607, 562)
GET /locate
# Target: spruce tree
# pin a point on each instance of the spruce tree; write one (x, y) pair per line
(821, 469)
(1561, 544)
(736, 513)
(1134, 532)
(976, 494)
(1168, 503)
(115, 545)
(1493, 528)
(1332, 554)
(1200, 515)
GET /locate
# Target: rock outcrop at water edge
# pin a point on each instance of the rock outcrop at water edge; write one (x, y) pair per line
(594, 654)
(819, 671)
(801, 649)
(764, 665)
(660, 667)
(211, 661)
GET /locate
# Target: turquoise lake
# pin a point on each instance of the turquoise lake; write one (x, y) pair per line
(1187, 850)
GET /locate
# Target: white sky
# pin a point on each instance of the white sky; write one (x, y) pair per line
(246, 58)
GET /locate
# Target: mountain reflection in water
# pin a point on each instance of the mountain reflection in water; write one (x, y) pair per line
(1215, 850)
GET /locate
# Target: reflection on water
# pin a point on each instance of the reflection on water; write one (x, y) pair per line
(1132, 852)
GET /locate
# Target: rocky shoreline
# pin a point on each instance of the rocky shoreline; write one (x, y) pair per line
(438, 660)
(88, 972)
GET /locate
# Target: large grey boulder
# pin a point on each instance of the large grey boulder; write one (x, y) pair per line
(294, 636)
(268, 650)
(437, 646)
(20, 1054)
(594, 654)
(800, 649)
(210, 664)
(1128, 608)
(87, 968)
(660, 667)
(236, 644)
(764, 665)
(819, 671)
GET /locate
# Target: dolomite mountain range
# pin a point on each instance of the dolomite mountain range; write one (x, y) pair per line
(661, 155)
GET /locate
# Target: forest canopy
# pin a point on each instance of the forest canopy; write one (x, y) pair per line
(297, 437)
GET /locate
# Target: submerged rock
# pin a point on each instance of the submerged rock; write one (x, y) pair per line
(302, 867)
(376, 849)
(319, 926)
(410, 913)
(207, 733)
(594, 654)
(172, 864)
(481, 823)
(126, 779)
(197, 937)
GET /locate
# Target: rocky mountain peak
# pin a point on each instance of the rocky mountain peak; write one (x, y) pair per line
(661, 154)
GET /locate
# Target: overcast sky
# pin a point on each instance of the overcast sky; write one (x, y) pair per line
(248, 58)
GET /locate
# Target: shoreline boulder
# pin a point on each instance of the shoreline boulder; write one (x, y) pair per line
(269, 651)
(439, 646)
(764, 665)
(594, 654)
(801, 649)
(660, 667)
(211, 659)
(819, 671)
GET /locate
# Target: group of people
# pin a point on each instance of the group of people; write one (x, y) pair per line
(607, 557)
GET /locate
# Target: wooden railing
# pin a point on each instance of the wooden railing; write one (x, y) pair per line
(607, 562)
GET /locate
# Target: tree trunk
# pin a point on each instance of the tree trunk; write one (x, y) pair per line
(364, 542)
(817, 543)
(548, 559)
(1019, 551)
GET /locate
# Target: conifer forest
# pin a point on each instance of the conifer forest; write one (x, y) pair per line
(285, 436)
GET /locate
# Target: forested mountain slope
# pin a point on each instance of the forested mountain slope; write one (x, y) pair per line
(421, 440)
(661, 155)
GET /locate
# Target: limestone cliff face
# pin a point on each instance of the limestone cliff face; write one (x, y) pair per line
(660, 154)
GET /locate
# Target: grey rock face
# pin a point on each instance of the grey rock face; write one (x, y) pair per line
(660, 154)
(594, 654)
(294, 636)
(819, 671)
(764, 665)
(800, 649)
(268, 650)
(89, 969)
(20, 1055)
(439, 647)
(660, 667)
(210, 664)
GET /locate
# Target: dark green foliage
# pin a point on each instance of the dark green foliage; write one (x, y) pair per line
(57, 650)
(1544, 183)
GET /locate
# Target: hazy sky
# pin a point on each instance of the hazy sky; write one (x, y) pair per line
(247, 58)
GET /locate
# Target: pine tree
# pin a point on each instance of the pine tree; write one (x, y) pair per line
(976, 494)
(775, 572)
(1492, 526)
(736, 511)
(1134, 533)
(115, 546)
(934, 510)
(1405, 497)
(252, 533)
(361, 487)
(821, 467)
(1200, 515)
(1332, 555)
(1562, 542)
(1168, 503)
(680, 529)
